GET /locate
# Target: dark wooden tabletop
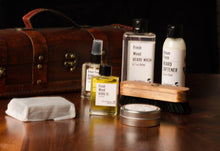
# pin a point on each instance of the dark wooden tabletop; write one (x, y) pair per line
(198, 131)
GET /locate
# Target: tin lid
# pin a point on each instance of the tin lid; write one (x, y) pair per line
(140, 115)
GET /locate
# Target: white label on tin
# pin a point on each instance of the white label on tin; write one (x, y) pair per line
(89, 74)
(173, 66)
(140, 107)
(106, 94)
(140, 61)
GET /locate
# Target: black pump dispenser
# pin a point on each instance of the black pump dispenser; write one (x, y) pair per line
(138, 25)
(175, 31)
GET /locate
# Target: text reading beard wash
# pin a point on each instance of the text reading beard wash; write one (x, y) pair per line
(173, 66)
(140, 61)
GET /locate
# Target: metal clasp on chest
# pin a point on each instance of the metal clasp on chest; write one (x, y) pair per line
(70, 61)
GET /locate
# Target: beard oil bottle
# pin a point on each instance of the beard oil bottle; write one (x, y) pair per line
(104, 93)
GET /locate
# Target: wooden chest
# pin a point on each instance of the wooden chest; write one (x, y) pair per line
(49, 60)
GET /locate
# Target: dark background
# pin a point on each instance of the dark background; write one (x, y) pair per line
(198, 19)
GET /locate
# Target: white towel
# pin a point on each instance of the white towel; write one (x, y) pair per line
(41, 108)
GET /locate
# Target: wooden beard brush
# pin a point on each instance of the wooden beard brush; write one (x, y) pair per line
(168, 98)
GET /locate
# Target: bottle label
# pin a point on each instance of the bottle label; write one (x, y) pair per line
(106, 94)
(140, 61)
(173, 67)
(89, 74)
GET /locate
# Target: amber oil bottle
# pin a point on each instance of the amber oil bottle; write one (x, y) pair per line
(104, 92)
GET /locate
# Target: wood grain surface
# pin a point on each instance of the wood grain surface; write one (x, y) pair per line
(197, 131)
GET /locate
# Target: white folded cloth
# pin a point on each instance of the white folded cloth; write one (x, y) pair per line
(41, 108)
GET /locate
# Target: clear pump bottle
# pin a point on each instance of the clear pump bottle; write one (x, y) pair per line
(138, 53)
(104, 93)
(90, 69)
(173, 57)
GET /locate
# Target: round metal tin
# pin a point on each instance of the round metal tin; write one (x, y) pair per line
(140, 115)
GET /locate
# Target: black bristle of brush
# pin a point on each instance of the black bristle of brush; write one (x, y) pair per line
(180, 108)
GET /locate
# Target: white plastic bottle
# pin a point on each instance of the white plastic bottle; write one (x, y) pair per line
(173, 57)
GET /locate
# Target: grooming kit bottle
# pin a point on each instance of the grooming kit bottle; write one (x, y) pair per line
(138, 52)
(173, 57)
(104, 93)
(90, 69)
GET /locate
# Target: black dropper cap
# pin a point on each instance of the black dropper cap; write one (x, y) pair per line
(175, 31)
(105, 70)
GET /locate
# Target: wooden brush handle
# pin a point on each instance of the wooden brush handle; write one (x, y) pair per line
(153, 91)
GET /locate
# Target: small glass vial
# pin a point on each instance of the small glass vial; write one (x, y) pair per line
(104, 93)
(138, 53)
(90, 69)
(173, 57)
